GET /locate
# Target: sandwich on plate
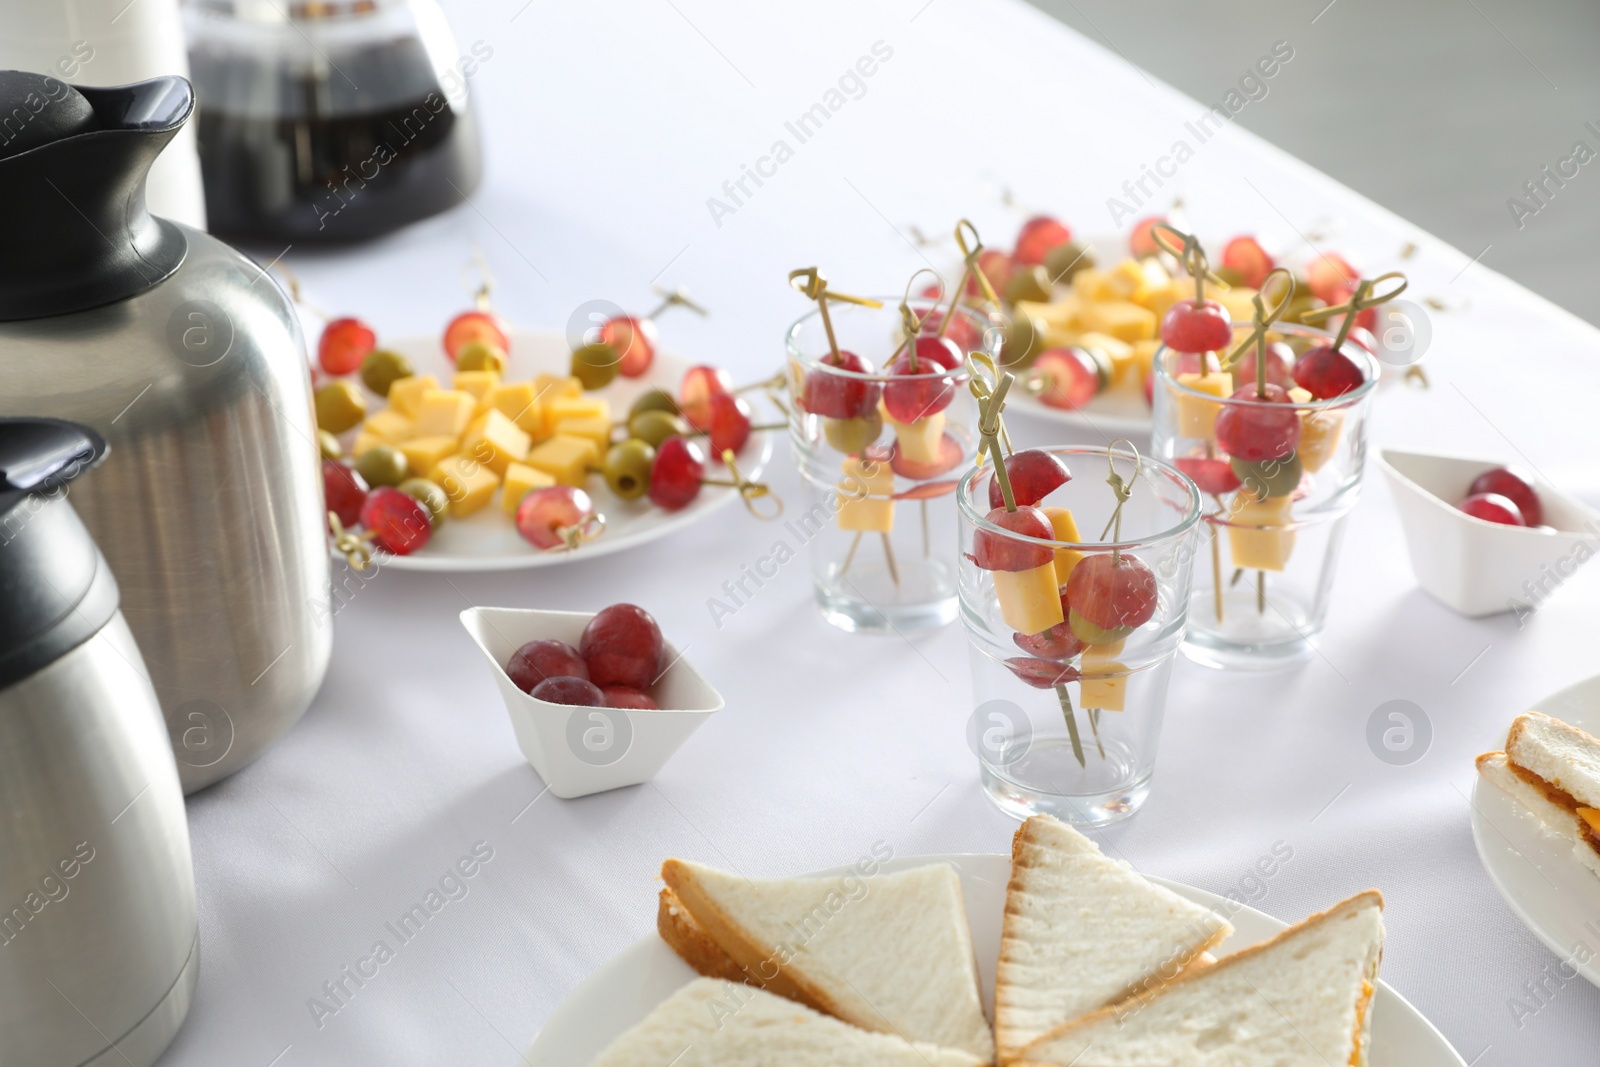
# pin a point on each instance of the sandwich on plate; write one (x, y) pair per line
(1554, 769)
(713, 1023)
(1082, 931)
(1301, 999)
(891, 953)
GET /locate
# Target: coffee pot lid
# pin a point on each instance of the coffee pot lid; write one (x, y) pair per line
(56, 591)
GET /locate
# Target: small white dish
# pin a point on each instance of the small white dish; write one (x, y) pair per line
(1477, 567)
(1554, 895)
(625, 990)
(584, 750)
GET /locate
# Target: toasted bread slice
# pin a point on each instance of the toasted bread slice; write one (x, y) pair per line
(697, 948)
(1082, 931)
(1559, 820)
(1301, 999)
(711, 1023)
(1559, 753)
(891, 953)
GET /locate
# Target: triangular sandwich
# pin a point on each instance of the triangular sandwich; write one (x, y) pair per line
(1554, 769)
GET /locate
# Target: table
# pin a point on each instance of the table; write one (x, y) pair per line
(609, 127)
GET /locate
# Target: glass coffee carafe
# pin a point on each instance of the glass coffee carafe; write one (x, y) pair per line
(330, 121)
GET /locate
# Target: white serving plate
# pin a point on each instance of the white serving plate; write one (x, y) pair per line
(625, 990)
(1553, 894)
(488, 540)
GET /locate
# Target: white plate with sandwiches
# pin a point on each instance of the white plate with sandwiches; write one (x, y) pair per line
(1541, 854)
(896, 960)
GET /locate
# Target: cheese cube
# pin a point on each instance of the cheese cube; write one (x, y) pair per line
(1144, 358)
(548, 387)
(476, 382)
(1104, 684)
(1136, 279)
(565, 458)
(519, 403)
(424, 453)
(1160, 301)
(389, 425)
(445, 413)
(563, 408)
(468, 484)
(365, 442)
(497, 442)
(1066, 529)
(1030, 601)
(405, 394)
(595, 429)
(864, 493)
(1197, 416)
(919, 439)
(1258, 537)
(520, 480)
(1319, 437)
(1092, 283)
(1119, 352)
(1240, 302)
(1061, 320)
(1122, 319)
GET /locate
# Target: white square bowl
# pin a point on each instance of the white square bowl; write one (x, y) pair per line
(1477, 567)
(583, 750)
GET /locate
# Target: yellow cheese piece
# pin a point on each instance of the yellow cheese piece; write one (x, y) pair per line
(468, 484)
(1257, 535)
(1122, 319)
(365, 442)
(476, 382)
(596, 429)
(1104, 683)
(1118, 351)
(1592, 817)
(520, 403)
(520, 480)
(497, 442)
(1137, 279)
(1030, 601)
(389, 425)
(563, 408)
(1063, 314)
(1239, 301)
(1092, 283)
(1319, 437)
(1197, 417)
(1160, 301)
(424, 453)
(406, 394)
(1066, 529)
(919, 439)
(565, 458)
(1143, 360)
(445, 413)
(864, 492)
(550, 387)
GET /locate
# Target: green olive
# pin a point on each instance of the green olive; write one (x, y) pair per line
(654, 400)
(480, 355)
(1302, 303)
(653, 427)
(382, 465)
(595, 365)
(852, 436)
(382, 368)
(1269, 477)
(329, 445)
(340, 406)
(430, 495)
(1091, 634)
(1229, 275)
(1023, 339)
(627, 468)
(1029, 283)
(1063, 261)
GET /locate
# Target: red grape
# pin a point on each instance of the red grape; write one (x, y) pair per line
(1258, 428)
(1142, 242)
(1280, 365)
(729, 423)
(398, 522)
(1192, 327)
(1034, 473)
(919, 388)
(940, 350)
(1492, 507)
(344, 490)
(1057, 643)
(997, 267)
(675, 476)
(1516, 485)
(470, 326)
(622, 646)
(546, 515)
(1325, 373)
(1113, 591)
(1246, 257)
(544, 658)
(1213, 476)
(1038, 236)
(345, 343)
(620, 696)
(635, 342)
(1070, 376)
(840, 395)
(997, 552)
(1331, 278)
(962, 331)
(1042, 673)
(949, 458)
(572, 691)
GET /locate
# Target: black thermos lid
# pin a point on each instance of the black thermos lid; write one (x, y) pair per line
(56, 591)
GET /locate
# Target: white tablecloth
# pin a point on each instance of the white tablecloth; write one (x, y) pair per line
(608, 128)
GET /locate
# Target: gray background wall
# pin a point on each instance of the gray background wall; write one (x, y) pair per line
(1438, 109)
